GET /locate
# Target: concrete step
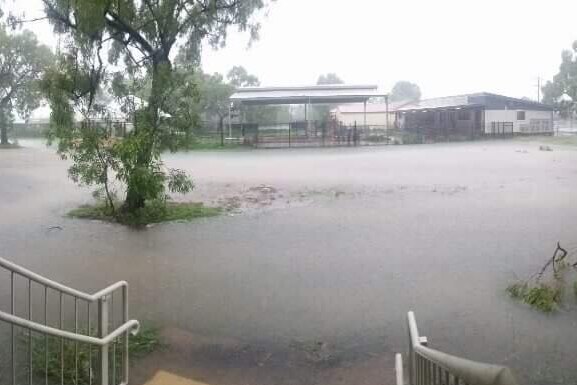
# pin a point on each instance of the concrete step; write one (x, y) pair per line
(165, 378)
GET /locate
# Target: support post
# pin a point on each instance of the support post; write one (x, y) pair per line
(102, 332)
(365, 115)
(230, 120)
(387, 113)
(289, 124)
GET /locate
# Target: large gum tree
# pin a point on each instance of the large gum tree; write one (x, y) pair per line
(138, 37)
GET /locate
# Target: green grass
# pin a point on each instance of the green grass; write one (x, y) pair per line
(153, 212)
(145, 342)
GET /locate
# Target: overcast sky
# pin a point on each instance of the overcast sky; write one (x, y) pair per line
(447, 47)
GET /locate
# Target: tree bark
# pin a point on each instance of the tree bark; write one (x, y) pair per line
(3, 133)
(135, 198)
(221, 129)
(3, 128)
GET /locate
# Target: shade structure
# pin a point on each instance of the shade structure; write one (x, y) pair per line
(324, 94)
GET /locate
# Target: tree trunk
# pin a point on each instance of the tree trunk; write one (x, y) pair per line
(135, 198)
(3, 133)
(3, 128)
(221, 130)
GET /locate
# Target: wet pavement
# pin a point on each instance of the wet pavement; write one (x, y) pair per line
(321, 256)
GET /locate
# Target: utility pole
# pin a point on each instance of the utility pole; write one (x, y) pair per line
(539, 89)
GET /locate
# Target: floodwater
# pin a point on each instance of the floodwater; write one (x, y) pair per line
(311, 283)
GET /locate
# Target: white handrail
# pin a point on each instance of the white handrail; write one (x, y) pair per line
(399, 369)
(133, 326)
(57, 286)
(471, 372)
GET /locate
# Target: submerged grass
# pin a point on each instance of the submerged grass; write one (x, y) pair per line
(153, 212)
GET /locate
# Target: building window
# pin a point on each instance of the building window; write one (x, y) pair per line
(464, 115)
(520, 115)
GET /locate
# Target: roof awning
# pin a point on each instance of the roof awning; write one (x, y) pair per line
(325, 94)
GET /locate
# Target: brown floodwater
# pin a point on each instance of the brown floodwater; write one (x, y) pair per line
(312, 274)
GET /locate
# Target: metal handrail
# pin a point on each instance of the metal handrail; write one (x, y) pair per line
(57, 286)
(470, 372)
(399, 371)
(105, 316)
(132, 326)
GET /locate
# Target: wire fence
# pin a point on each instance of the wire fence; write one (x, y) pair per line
(299, 134)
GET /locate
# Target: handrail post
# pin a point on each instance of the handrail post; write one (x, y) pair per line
(125, 358)
(102, 332)
(411, 358)
(399, 369)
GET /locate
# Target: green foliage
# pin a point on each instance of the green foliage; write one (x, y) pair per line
(139, 37)
(518, 290)
(330, 78)
(145, 342)
(239, 77)
(546, 295)
(405, 91)
(22, 62)
(152, 212)
(561, 92)
(322, 113)
(543, 297)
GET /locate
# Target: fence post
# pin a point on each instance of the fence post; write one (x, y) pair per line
(102, 332)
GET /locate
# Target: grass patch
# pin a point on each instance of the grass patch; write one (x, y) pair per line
(145, 342)
(153, 212)
(211, 146)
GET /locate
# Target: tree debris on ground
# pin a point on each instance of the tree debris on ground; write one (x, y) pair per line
(545, 290)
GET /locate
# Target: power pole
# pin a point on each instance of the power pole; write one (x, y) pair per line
(539, 89)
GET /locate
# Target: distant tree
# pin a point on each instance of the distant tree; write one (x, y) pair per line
(214, 101)
(239, 77)
(322, 112)
(330, 78)
(561, 92)
(405, 91)
(22, 63)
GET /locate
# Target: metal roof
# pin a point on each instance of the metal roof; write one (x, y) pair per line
(372, 108)
(481, 99)
(324, 94)
(444, 102)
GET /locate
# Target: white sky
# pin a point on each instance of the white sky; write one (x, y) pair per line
(447, 47)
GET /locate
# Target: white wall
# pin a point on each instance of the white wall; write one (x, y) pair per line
(535, 121)
(373, 118)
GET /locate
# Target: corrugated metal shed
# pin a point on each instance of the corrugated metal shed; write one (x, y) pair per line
(481, 99)
(325, 94)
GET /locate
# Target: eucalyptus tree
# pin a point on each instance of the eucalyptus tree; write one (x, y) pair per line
(137, 38)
